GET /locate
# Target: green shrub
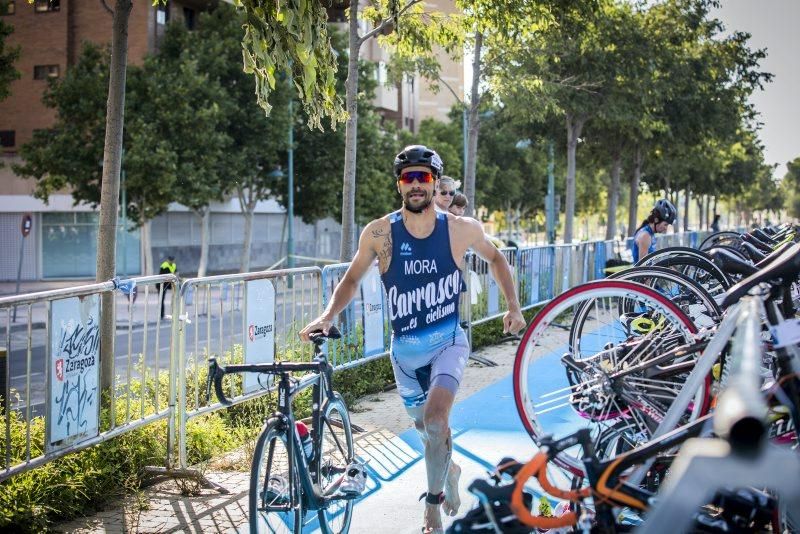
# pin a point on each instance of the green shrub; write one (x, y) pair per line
(491, 332)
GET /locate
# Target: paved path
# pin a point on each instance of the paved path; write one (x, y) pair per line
(485, 425)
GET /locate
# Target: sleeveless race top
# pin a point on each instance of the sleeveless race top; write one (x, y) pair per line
(635, 247)
(423, 285)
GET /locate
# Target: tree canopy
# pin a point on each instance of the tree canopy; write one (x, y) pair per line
(8, 55)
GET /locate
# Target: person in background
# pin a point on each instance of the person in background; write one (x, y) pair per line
(644, 239)
(444, 192)
(168, 266)
(715, 224)
(459, 204)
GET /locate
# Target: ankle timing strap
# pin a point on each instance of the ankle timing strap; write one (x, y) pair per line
(432, 498)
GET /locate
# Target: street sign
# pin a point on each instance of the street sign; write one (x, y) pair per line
(27, 223)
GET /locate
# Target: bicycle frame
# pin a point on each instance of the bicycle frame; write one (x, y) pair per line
(322, 385)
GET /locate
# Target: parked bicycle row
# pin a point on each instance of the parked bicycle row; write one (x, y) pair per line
(614, 378)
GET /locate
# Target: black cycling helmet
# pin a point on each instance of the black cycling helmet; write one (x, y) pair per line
(665, 210)
(418, 155)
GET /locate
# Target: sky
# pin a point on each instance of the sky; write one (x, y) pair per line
(773, 25)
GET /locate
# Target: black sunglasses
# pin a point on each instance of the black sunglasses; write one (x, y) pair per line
(451, 193)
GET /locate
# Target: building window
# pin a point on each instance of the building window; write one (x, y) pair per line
(42, 72)
(7, 8)
(45, 6)
(188, 18)
(7, 138)
(162, 14)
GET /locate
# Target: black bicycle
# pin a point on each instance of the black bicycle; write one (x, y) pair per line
(285, 480)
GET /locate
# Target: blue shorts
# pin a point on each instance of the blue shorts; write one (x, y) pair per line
(444, 368)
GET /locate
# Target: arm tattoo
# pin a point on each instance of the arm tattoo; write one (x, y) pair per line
(385, 252)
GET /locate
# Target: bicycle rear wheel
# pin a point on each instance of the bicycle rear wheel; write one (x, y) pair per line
(687, 294)
(276, 504)
(733, 239)
(608, 377)
(695, 264)
(336, 453)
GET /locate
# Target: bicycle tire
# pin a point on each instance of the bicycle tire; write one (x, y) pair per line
(695, 264)
(266, 509)
(335, 454)
(692, 295)
(524, 367)
(729, 238)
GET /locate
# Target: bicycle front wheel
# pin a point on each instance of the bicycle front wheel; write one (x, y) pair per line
(276, 504)
(336, 453)
(594, 358)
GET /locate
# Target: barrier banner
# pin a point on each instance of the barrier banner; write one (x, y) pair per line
(73, 371)
(372, 299)
(259, 333)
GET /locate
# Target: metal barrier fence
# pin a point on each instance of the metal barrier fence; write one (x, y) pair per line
(364, 323)
(249, 317)
(53, 402)
(160, 368)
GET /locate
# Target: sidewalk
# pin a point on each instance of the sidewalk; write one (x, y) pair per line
(397, 470)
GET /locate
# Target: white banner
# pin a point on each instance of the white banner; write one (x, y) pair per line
(372, 299)
(74, 371)
(259, 330)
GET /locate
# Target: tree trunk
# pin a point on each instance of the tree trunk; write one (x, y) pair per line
(613, 197)
(147, 248)
(574, 127)
(248, 237)
(633, 201)
(109, 195)
(205, 231)
(699, 202)
(716, 198)
(473, 121)
(708, 205)
(686, 203)
(350, 147)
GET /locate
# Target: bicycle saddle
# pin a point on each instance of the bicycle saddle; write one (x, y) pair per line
(773, 256)
(756, 242)
(763, 237)
(784, 269)
(755, 254)
(730, 263)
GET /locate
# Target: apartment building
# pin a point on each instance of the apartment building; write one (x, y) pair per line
(62, 245)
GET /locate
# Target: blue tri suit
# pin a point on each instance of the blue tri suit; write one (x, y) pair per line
(635, 247)
(423, 285)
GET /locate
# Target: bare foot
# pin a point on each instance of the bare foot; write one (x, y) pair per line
(452, 501)
(433, 520)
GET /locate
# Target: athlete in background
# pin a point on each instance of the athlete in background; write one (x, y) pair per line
(644, 239)
(420, 255)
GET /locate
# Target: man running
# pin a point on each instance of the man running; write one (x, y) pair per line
(420, 255)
